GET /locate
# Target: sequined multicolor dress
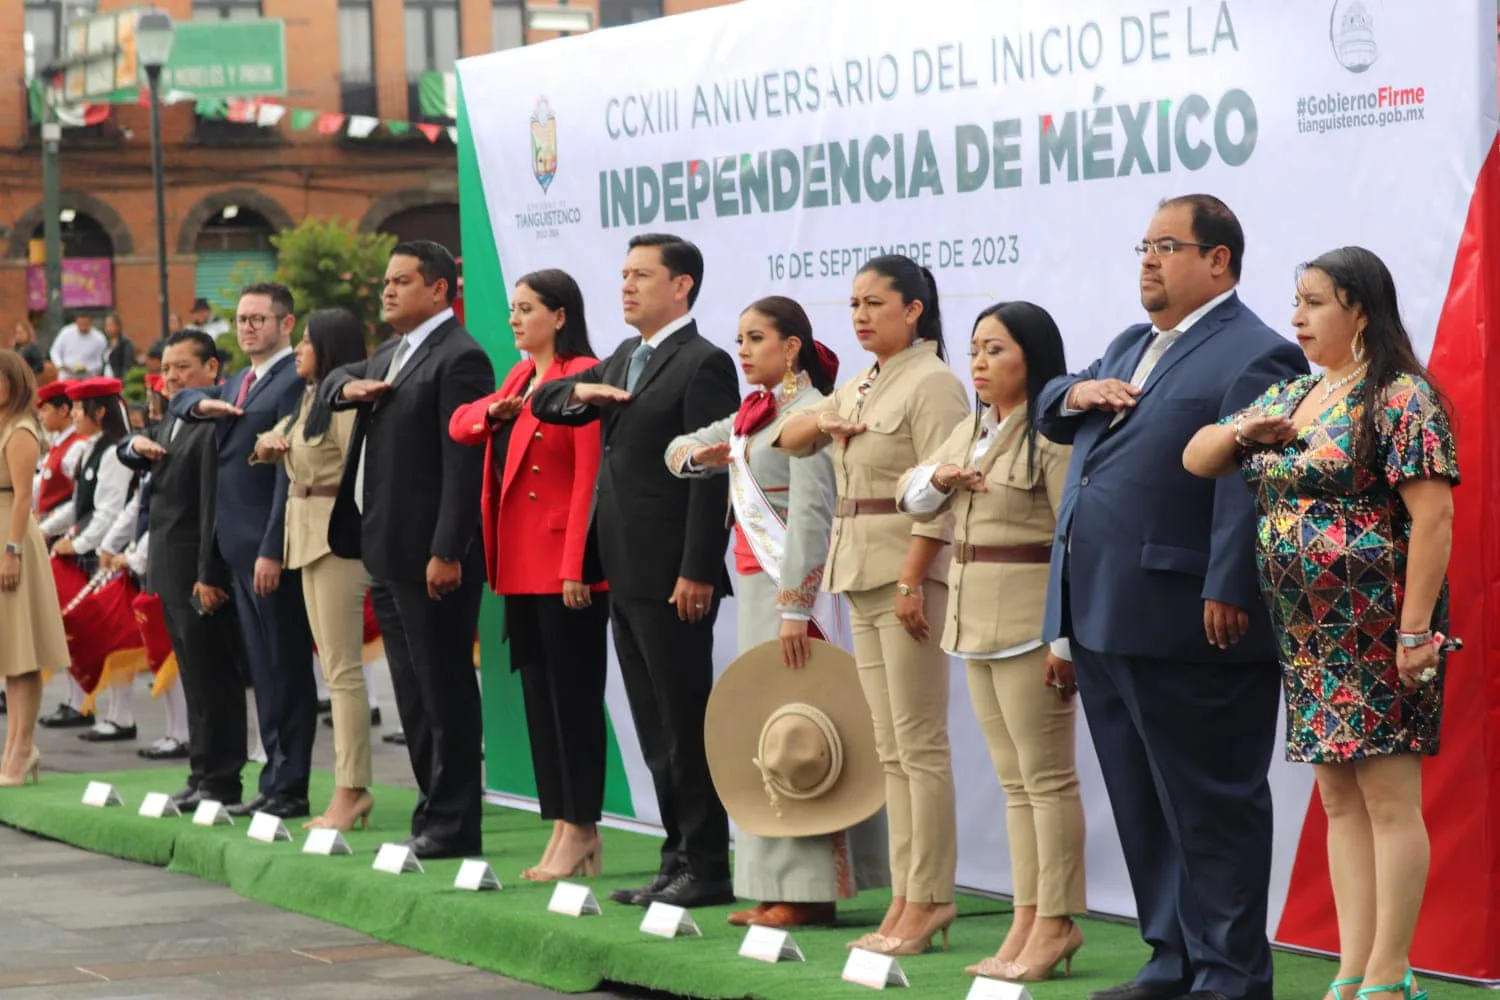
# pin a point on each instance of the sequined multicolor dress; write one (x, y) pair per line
(1332, 544)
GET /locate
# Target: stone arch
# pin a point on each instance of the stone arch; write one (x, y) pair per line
(212, 204)
(83, 204)
(400, 201)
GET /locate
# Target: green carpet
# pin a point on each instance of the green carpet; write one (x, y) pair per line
(511, 932)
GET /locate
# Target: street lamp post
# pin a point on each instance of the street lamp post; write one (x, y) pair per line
(153, 37)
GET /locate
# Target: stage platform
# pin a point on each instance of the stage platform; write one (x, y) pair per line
(512, 933)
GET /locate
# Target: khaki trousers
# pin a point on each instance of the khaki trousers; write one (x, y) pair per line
(334, 591)
(1029, 731)
(906, 685)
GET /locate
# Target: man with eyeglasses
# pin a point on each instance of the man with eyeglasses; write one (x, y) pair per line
(248, 521)
(1154, 581)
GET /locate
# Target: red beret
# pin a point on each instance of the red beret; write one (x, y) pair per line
(154, 382)
(95, 388)
(51, 392)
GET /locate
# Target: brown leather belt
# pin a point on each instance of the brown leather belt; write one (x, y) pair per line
(301, 491)
(858, 506)
(1002, 553)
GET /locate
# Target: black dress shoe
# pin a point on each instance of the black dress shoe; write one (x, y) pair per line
(374, 718)
(287, 807)
(167, 749)
(688, 890)
(250, 808)
(631, 897)
(107, 732)
(187, 799)
(1135, 991)
(431, 849)
(1203, 995)
(66, 717)
(398, 738)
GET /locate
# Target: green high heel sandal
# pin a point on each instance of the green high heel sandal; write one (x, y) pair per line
(1337, 986)
(1403, 987)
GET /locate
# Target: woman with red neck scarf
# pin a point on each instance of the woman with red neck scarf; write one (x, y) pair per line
(783, 512)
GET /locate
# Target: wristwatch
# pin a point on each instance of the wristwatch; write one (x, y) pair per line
(1414, 640)
(13, 549)
(906, 591)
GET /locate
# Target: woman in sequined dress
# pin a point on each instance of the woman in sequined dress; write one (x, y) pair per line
(1353, 470)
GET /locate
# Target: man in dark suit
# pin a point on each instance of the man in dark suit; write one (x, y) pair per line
(660, 542)
(1154, 581)
(409, 505)
(250, 511)
(184, 563)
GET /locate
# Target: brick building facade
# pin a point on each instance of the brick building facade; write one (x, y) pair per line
(230, 185)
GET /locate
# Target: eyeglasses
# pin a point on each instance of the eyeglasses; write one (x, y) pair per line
(257, 322)
(1167, 247)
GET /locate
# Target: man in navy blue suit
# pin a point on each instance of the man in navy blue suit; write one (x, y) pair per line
(1154, 581)
(248, 522)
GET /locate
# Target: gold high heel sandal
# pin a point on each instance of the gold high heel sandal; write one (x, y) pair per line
(590, 865)
(32, 770)
(938, 922)
(1017, 973)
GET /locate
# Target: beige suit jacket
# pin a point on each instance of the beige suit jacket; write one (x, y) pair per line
(319, 462)
(995, 606)
(912, 406)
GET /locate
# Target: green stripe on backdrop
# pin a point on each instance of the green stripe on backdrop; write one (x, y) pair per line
(507, 753)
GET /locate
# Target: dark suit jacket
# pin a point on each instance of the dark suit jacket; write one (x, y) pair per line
(648, 527)
(181, 518)
(250, 505)
(1150, 541)
(422, 488)
(120, 358)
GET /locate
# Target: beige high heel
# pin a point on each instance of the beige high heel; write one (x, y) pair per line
(938, 922)
(1017, 973)
(360, 817)
(32, 770)
(590, 865)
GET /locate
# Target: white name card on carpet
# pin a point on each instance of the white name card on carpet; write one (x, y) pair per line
(872, 969)
(668, 921)
(476, 875)
(997, 989)
(101, 794)
(770, 944)
(268, 828)
(573, 900)
(326, 842)
(211, 813)
(397, 859)
(158, 805)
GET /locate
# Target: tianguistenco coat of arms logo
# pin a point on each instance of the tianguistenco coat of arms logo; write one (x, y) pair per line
(1351, 31)
(543, 144)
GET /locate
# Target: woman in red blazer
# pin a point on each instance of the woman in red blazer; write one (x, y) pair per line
(537, 492)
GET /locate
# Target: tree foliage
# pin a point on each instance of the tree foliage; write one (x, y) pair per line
(328, 264)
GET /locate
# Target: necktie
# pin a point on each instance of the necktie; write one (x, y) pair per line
(1160, 341)
(396, 359)
(397, 356)
(245, 384)
(638, 359)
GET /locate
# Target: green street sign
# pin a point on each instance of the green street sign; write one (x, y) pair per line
(228, 59)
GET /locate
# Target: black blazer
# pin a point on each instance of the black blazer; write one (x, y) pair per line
(648, 527)
(120, 358)
(422, 488)
(181, 519)
(250, 505)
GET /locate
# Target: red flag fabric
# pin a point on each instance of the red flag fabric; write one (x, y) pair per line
(152, 623)
(431, 131)
(372, 627)
(329, 123)
(99, 622)
(68, 577)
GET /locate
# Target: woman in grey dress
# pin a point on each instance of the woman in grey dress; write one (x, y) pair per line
(783, 512)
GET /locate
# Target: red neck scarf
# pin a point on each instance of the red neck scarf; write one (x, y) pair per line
(759, 408)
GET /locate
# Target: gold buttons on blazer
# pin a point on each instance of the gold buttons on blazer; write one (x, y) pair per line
(537, 435)
(531, 496)
(536, 468)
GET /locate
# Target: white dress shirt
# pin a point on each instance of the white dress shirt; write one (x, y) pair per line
(1188, 322)
(654, 342)
(109, 499)
(121, 531)
(417, 338)
(265, 366)
(922, 497)
(77, 354)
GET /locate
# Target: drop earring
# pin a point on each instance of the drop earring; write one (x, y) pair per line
(1359, 347)
(789, 381)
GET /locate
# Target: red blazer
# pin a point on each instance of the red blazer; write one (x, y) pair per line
(536, 512)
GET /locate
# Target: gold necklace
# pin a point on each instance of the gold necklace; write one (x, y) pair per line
(1329, 388)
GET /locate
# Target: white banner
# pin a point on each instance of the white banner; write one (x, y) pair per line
(1016, 149)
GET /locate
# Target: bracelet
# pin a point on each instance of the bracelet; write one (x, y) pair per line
(1414, 640)
(820, 421)
(1241, 442)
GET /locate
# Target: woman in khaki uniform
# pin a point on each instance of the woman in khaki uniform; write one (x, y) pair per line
(1002, 485)
(311, 445)
(882, 422)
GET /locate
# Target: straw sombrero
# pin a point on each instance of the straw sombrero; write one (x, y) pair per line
(792, 752)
